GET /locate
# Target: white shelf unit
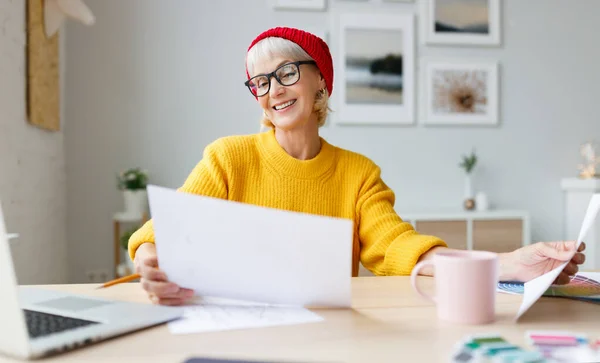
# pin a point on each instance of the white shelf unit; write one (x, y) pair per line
(496, 230)
(461, 229)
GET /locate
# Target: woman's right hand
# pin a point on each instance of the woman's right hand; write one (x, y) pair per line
(160, 290)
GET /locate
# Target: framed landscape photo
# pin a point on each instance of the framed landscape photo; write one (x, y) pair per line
(466, 22)
(300, 4)
(460, 93)
(375, 69)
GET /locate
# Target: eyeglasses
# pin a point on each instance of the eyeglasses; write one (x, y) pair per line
(286, 74)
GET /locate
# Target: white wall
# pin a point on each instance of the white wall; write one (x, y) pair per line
(32, 165)
(154, 81)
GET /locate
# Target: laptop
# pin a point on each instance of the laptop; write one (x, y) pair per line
(37, 322)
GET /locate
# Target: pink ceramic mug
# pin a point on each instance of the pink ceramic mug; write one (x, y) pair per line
(465, 285)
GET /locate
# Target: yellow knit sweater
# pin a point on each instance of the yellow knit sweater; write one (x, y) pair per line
(255, 169)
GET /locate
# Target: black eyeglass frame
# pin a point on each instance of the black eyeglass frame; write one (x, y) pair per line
(274, 75)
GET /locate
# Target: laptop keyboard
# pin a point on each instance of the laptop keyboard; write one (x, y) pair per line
(40, 324)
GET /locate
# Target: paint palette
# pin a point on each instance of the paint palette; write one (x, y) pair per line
(582, 287)
(563, 346)
(492, 348)
(544, 346)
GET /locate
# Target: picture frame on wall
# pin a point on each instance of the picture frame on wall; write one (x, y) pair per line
(375, 76)
(460, 92)
(317, 5)
(462, 22)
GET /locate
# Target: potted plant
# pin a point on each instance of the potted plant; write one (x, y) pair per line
(132, 183)
(468, 164)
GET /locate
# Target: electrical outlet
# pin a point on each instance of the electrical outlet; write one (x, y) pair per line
(97, 275)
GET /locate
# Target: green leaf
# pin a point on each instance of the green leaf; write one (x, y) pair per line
(132, 179)
(469, 161)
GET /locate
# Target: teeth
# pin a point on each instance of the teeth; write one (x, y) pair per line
(284, 105)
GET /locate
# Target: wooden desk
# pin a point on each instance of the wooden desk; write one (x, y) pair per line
(388, 323)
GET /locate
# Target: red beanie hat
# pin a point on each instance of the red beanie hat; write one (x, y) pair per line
(312, 44)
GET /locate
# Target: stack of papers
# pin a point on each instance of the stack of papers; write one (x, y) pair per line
(245, 252)
(281, 261)
(220, 314)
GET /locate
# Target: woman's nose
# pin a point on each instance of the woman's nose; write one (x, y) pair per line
(276, 88)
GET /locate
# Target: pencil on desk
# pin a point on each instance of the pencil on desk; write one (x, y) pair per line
(120, 280)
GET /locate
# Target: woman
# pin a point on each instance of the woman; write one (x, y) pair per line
(290, 73)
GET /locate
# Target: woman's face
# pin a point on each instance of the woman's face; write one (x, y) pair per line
(289, 107)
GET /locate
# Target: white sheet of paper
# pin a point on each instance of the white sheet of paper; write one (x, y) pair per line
(12, 236)
(246, 252)
(208, 317)
(535, 288)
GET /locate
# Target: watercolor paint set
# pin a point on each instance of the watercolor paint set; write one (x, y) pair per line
(564, 346)
(493, 348)
(542, 346)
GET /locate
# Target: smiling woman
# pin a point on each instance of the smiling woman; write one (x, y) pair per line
(291, 167)
(267, 51)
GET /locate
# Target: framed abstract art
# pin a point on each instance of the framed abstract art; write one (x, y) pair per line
(460, 92)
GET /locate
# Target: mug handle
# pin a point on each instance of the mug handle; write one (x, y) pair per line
(413, 279)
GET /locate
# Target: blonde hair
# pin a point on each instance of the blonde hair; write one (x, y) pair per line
(273, 47)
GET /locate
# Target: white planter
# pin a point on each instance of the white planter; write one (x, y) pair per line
(481, 202)
(136, 201)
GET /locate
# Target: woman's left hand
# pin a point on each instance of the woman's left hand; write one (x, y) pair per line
(536, 259)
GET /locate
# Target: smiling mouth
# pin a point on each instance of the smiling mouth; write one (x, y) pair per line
(284, 105)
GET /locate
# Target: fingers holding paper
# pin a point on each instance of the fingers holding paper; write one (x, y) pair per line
(537, 259)
(155, 282)
(572, 268)
(579, 257)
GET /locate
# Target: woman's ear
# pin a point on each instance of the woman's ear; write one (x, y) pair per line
(322, 83)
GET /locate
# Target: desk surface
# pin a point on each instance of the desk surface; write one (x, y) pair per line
(388, 323)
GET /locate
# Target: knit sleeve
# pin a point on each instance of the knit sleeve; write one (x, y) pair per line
(389, 246)
(208, 178)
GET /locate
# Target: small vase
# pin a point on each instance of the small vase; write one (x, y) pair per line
(469, 199)
(468, 187)
(136, 201)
